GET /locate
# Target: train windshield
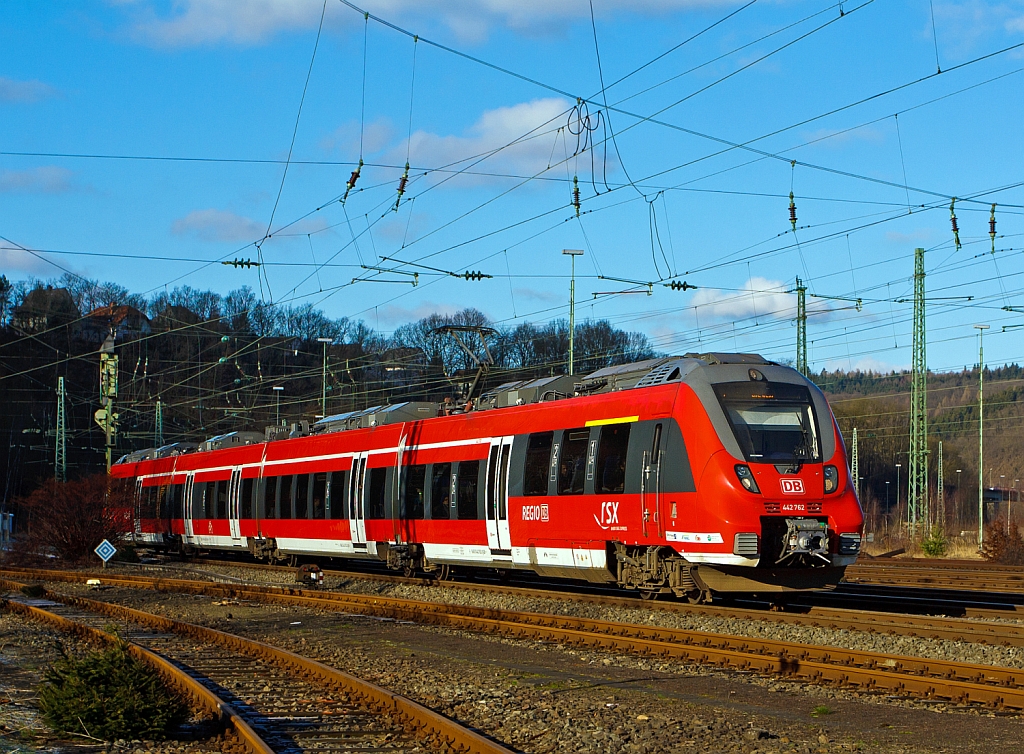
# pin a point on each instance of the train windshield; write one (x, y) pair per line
(773, 422)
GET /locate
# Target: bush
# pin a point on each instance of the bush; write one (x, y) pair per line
(109, 695)
(1003, 548)
(68, 519)
(935, 544)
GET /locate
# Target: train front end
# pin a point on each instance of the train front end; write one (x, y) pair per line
(775, 489)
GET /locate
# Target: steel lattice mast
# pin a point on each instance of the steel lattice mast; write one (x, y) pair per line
(917, 504)
(60, 464)
(159, 428)
(855, 465)
(801, 327)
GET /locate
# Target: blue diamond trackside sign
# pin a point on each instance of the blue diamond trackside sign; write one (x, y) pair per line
(105, 550)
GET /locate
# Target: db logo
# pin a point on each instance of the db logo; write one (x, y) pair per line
(792, 486)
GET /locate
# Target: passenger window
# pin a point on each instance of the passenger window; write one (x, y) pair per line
(415, 482)
(469, 476)
(301, 495)
(284, 497)
(492, 470)
(175, 497)
(538, 454)
(319, 495)
(245, 504)
(376, 489)
(339, 494)
(222, 498)
(270, 497)
(572, 465)
(611, 458)
(440, 489)
(198, 501)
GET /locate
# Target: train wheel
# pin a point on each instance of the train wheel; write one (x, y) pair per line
(650, 594)
(443, 572)
(698, 597)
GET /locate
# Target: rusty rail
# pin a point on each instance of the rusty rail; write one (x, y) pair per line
(198, 695)
(410, 714)
(937, 679)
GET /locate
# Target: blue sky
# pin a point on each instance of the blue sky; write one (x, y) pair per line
(219, 83)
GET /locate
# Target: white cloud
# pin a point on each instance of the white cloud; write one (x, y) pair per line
(16, 260)
(217, 225)
(866, 364)
(495, 128)
(24, 91)
(345, 139)
(47, 179)
(545, 297)
(758, 297)
(203, 22)
(918, 236)
(392, 316)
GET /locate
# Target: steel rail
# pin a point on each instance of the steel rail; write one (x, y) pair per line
(962, 579)
(198, 695)
(926, 627)
(408, 713)
(937, 679)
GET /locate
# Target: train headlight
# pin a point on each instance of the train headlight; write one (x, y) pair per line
(746, 478)
(831, 479)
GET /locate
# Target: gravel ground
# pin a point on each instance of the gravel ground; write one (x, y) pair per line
(541, 698)
(26, 649)
(939, 649)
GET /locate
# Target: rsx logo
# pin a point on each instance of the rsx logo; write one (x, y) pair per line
(792, 486)
(609, 514)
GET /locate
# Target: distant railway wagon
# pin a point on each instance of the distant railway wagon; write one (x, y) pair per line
(687, 475)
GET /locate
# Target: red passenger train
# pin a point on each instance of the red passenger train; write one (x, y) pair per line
(686, 475)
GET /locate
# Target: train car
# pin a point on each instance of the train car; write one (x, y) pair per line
(692, 475)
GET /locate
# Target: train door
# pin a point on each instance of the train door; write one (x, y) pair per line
(357, 500)
(137, 509)
(650, 485)
(187, 505)
(234, 502)
(498, 537)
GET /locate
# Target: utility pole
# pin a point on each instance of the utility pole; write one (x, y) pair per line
(801, 327)
(572, 254)
(60, 462)
(801, 321)
(106, 417)
(981, 433)
(323, 384)
(917, 501)
(940, 514)
(158, 435)
(277, 391)
(855, 465)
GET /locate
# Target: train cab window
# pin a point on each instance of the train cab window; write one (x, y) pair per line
(535, 472)
(270, 497)
(376, 489)
(339, 494)
(572, 465)
(245, 503)
(301, 495)
(284, 497)
(412, 499)
(469, 480)
(611, 458)
(319, 509)
(440, 491)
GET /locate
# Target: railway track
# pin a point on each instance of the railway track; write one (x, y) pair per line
(975, 627)
(881, 673)
(959, 577)
(272, 700)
